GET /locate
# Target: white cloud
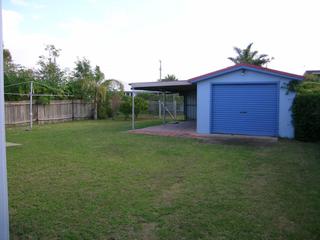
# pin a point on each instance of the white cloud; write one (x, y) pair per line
(19, 2)
(25, 48)
(195, 40)
(38, 6)
(26, 3)
(36, 17)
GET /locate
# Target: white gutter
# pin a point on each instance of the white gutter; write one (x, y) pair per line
(160, 84)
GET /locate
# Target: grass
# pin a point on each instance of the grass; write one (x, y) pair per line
(93, 180)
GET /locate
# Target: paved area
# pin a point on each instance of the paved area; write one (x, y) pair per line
(10, 144)
(187, 129)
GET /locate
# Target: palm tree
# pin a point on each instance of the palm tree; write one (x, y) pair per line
(168, 78)
(248, 56)
(93, 83)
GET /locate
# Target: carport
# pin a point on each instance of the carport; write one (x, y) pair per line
(183, 88)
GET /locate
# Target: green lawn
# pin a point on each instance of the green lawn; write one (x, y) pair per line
(93, 180)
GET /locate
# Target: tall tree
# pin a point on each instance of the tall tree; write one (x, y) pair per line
(7, 60)
(249, 56)
(168, 78)
(49, 70)
(16, 78)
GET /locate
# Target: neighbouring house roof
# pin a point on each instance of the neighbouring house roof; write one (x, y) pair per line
(246, 67)
(314, 72)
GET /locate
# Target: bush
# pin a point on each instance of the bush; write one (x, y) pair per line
(140, 105)
(306, 116)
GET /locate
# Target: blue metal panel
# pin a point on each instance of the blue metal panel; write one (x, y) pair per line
(250, 109)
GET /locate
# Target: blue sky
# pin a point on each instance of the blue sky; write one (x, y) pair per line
(128, 37)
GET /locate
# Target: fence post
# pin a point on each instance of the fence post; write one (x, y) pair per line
(72, 110)
(37, 104)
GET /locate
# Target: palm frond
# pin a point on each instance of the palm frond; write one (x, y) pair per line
(246, 55)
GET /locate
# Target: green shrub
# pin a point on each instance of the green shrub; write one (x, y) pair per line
(306, 115)
(103, 109)
(140, 105)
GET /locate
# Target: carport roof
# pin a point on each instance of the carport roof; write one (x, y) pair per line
(164, 86)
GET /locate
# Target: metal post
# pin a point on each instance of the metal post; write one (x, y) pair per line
(160, 70)
(174, 108)
(4, 211)
(30, 107)
(164, 108)
(132, 114)
(159, 102)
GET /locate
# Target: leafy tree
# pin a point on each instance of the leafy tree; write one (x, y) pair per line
(168, 78)
(90, 84)
(16, 78)
(49, 71)
(312, 77)
(17, 82)
(248, 56)
(7, 61)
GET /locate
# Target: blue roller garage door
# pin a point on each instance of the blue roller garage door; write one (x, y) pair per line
(250, 109)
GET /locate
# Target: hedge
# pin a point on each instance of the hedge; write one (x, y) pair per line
(306, 116)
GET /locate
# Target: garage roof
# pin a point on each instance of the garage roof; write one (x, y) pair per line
(243, 66)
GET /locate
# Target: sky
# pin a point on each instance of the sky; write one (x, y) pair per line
(127, 38)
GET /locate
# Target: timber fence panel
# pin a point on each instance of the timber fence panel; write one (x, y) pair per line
(58, 110)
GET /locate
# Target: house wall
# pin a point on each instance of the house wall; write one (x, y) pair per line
(285, 99)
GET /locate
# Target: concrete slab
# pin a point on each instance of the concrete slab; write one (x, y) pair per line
(187, 129)
(10, 144)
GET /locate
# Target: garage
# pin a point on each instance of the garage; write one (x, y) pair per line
(246, 100)
(250, 109)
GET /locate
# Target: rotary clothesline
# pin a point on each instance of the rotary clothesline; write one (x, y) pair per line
(36, 94)
(31, 94)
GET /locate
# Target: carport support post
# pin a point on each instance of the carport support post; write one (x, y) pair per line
(174, 108)
(4, 211)
(164, 108)
(159, 102)
(132, 113)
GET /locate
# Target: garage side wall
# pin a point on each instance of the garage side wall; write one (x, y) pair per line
(286, 129)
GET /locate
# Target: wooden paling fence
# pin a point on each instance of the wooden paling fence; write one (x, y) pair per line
(58, 110)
